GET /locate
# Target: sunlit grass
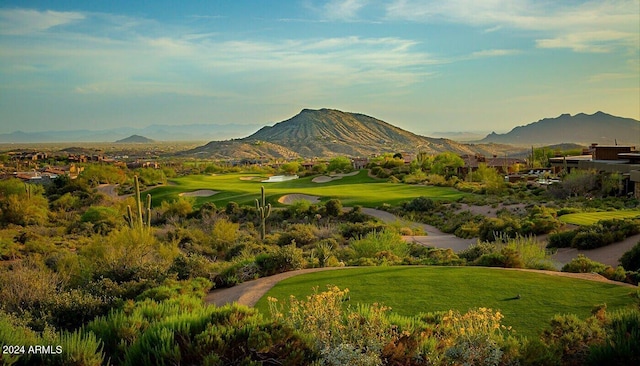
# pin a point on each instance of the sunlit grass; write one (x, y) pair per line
(411, 290)
(589, 218)
(354, 190)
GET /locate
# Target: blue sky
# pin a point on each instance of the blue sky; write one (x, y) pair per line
(455, 65)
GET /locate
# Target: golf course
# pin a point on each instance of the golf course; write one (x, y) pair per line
(589, 218)
(359, 189)
(525, 298)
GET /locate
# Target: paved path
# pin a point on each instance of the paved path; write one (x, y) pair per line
(434, 238)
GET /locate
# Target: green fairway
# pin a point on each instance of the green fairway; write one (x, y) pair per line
(411, 290)
(355, 190)
(588, 218)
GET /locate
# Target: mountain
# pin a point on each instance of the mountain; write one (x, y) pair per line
(135, 139)
(329, 132)
(600, 127)
(192, 132)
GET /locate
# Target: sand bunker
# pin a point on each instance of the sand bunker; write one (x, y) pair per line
(325, 179)
(322, 179)
(291, 198)
(199, 193)
(248, 178)
(347, 174)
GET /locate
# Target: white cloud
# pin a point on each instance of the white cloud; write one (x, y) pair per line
(141, 58)
(591, 26)
(25, 21)
(494, 53)
(343, 9)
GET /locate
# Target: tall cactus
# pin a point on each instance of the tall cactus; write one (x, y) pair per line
(264, 210)
(140, 220)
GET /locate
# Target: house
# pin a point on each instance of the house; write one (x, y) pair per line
(623, 160)
(501, 164)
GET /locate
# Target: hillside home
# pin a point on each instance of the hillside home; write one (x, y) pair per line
(624, 160)
(501, 164)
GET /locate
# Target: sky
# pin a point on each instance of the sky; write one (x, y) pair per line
(422, 65)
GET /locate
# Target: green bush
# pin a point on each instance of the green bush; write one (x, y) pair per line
(360, 229)
(570, 338)
(301, 234)
(284, 259)
(376, 242)
(582, 264)
(562, 239)
(420, 204)
(622, 345)
(630, 260)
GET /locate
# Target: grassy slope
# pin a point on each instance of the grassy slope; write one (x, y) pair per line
(411, 290)
(588, 218)
(355, 190)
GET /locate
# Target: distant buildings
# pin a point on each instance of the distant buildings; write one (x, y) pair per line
(624, 160)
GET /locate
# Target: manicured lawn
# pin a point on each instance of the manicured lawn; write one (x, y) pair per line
(588, 218)
(355, 190)
(411, 290)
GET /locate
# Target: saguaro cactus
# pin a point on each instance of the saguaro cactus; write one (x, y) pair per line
(264, 210)
(139, 220)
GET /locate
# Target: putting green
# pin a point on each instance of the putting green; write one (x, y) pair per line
(358, 189)
(589, 218)
(410, 290)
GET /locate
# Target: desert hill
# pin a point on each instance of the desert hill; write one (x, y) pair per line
(135, 139)
(584, 129)
(329, 132)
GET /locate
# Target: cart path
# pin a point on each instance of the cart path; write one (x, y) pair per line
(248, 293)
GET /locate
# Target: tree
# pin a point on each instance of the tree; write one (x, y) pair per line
(290, 168)
(446, 164)
(490, 177)
(340, 164)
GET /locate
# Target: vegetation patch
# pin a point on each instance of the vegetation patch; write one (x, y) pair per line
(589, 218)
(527, 300)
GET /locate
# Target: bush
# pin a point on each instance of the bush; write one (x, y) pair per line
(582, 264)
(562, 239)
(376, 242)
(333, 207)
(301, 234)
(630, 260)
(358, 230)
(284, 259)
(622, 345)
(420, 204)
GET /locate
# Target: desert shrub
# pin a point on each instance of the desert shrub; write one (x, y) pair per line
(419, 204)
(237, 272)
(285, 258)
(508, 257)
(191, 265)
(358, 230)
(324, 251)
(129, 254)
(491, 229)
(21, 203)
(622, 344)
(590, 240)
(298, 209)
(339, 336)
(333, 208)
(582, 264)
(530, 251)
(630, 260)
(477, 250)
(562, 239)
(375, 242)
(104, 219)
(197, 287)
(301, 234)
(570, 337)
(224, 234)
(597, 235)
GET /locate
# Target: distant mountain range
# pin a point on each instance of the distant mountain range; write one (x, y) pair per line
(329, 132)
(135, 139)
(193, 132)
(600, 127)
